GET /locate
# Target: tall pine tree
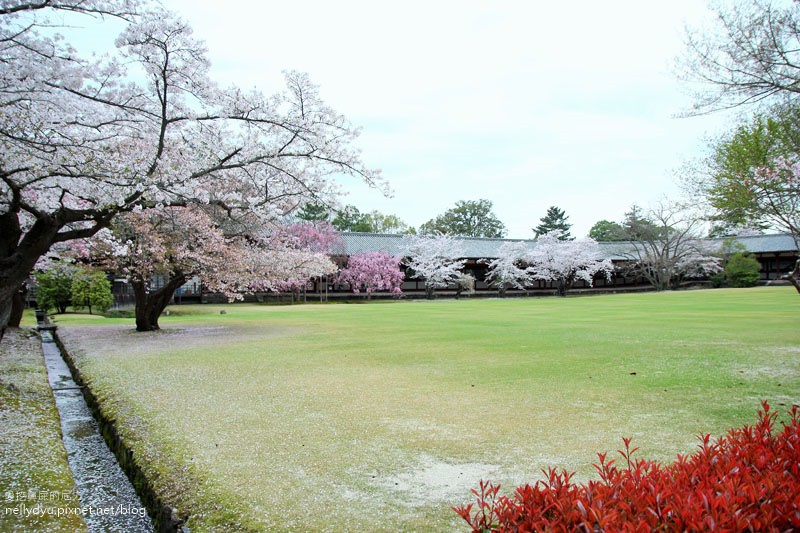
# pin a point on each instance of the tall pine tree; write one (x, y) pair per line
(555, 219)
(314, 212)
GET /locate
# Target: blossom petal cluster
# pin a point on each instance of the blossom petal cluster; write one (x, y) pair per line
(510, 268)
(436, 259)
(144, 126)
(549, 259)
(553, 259)
(373, 271)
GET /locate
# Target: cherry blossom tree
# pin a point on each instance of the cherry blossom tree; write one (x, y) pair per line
(158, 250)
(142, 127)
(562, 261)
(749, 55)
(775, 190)
(667, 247)
(292, 270)
(314, 236)
(510, 268)
(373, 271)
(436, 259)
(310, 243)
(465, 284)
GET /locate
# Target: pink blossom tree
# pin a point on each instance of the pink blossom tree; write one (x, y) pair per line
(319, 238)
(174, 244)
(143, 127)
(314, 236)
(436, 259)
(562, 262)
(373, 271)
(776, 190)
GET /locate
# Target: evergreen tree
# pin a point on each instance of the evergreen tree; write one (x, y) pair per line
(314, 212)
(555, 219)
(637, 226)
(742, 270)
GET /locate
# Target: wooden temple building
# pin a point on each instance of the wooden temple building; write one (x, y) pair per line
(777, 254)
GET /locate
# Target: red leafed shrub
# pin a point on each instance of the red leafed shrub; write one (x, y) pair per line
(748, 480)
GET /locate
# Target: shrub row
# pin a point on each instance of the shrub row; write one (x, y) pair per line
(747, 480)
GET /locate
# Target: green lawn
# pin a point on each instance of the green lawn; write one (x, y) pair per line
(381, 416)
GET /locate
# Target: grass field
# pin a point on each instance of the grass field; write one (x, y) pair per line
(381, 416)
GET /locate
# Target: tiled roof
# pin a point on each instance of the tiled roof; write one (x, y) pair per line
(395, 245)
(617, 249)
(356, 243)
(474, 248)
(779, 242)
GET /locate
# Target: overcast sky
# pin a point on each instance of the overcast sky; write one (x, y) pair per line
(527, 104)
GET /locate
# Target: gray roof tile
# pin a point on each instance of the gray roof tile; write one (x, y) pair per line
(475, 248)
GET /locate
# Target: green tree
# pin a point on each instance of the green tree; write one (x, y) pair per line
(91, 289)
(638, 226)
(742, 270)
(731, 181)
(751, 56)
(54, 287)
(393, 224)
(605, 230)
(350, 218)
(555, 219)
(754, 178)
(472, 218)
(314, 212)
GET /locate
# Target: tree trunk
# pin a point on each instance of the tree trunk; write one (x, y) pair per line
(5, 314)
(18, 306)
(20, 250)
(150, 305)
(18, 256)
(561, 287)
(11, 280)
(794, 277)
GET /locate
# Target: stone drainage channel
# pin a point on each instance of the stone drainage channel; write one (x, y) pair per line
(108, 499)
